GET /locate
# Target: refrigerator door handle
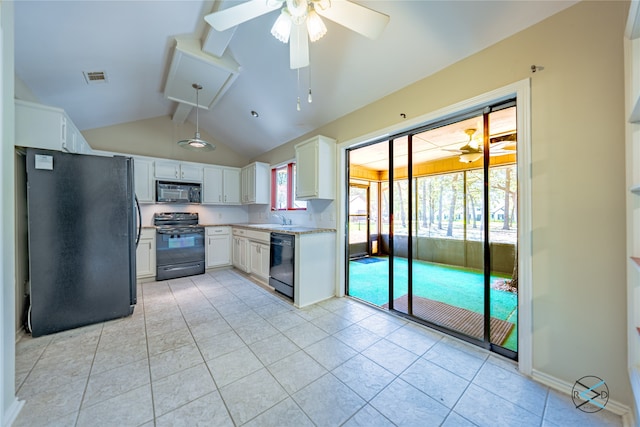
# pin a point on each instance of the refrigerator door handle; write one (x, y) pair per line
(139, 220)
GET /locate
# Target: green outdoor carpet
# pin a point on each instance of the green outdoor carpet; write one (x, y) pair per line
(456, 286)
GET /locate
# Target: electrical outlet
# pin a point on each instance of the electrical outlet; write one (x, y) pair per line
(219, 215)
(310, 217)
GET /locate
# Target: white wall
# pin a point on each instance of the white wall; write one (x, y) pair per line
(319, 213)
(158, 137)
(578, 181)
(208, 214)
(9, 406)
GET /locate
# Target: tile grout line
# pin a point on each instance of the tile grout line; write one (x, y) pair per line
(202, 355)
(84, 392)
(146, 340)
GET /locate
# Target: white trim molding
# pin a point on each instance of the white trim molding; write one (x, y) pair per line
(12, 412)
(521, 90)
(566, 388)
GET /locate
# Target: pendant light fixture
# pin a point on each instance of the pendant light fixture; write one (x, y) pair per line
(196, 143)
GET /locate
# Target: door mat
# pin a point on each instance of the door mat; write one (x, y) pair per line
(459, 319)
(367, 260)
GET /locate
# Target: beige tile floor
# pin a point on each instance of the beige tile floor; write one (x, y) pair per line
(218, 350)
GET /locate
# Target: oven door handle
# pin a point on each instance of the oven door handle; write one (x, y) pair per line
(181, 267)
(179, 231)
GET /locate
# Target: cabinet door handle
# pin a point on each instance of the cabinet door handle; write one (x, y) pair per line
(63, 131)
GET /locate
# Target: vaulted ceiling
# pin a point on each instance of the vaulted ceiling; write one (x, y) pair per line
(134, 43)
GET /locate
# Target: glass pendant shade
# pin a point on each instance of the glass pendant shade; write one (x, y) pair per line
(469, 157)
(196, 143)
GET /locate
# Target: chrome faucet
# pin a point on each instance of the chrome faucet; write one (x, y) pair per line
(282, 218)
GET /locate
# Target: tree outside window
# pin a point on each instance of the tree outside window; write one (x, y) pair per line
(440, 209)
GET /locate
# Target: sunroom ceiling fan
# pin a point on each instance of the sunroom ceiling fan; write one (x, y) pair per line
(299, 18)
(472, 150)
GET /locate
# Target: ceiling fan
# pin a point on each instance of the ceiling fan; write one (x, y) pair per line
(472, 150)
(299, 18)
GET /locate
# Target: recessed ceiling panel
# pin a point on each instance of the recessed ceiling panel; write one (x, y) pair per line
(190, 65)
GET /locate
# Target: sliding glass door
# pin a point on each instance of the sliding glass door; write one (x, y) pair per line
(447, 228)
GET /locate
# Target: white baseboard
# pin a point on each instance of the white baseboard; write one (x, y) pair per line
(566, 388)
(12, 412)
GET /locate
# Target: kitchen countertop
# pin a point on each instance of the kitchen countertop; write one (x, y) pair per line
(288, 229)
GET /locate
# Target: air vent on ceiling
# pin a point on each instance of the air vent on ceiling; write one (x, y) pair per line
(94, 77)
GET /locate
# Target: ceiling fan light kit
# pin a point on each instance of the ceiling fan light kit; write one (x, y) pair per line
(315, 26)
(281, 29)
(353, 16)
(299, 22)
(470, 157)
(196, 143)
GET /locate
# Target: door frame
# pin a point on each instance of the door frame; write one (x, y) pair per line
(367, 216)
(521, 90)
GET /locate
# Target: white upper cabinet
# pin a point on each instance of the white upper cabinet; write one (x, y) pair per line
(316, 169)
(231, 185)
(41, 126)
(212, 186)
(256, 181)
(221, 185)
(167, 169)
(143, 179)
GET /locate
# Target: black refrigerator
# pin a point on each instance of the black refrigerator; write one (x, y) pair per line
(82, 239)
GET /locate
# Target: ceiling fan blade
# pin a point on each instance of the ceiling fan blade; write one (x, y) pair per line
(227, 18)
(357, 18)
(298, 47)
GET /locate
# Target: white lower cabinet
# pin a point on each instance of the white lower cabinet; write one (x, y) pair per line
(146, 254)
(240, 250)
(259, 259)
(218, 247)
(315, 268)
(251, 252)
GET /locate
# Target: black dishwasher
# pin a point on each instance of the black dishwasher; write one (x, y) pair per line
(281, 263)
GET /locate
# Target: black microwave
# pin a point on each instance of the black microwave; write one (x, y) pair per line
(177, 192)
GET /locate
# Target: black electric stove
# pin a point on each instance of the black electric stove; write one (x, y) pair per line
(179, 245)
